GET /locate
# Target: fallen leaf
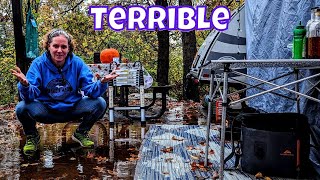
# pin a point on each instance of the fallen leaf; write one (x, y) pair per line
(194, 157)
(111, 173)
(134, 155)
(194, 166)
(24, 165)
(215, 175)
(167, 150)
(34, 164)
(168, 159)
(90, 155)
(189, 148)
(101, 159)
(131, 149)
(211, 151)
(132, 159)
(177, 139)
(99, 169)
(258, 175)
(202, 143)
(267, 178)
(203, 169)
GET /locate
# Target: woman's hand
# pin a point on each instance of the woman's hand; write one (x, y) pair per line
(109, 77)
(21, 77)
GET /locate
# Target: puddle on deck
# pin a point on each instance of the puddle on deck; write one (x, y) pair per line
(114, 156)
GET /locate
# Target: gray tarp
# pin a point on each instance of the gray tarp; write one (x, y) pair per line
(269, 29)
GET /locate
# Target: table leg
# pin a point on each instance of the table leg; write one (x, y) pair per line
(296, 75)
(111, 106)
(223, 120)
(209, 117)
(142, 105)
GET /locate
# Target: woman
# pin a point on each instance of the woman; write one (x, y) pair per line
(51, 91)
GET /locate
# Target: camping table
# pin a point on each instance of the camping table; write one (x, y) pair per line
(229, 66)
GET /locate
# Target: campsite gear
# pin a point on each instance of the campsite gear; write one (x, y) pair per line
(299, 42)
(31, 145)
(32, 49)
(83, 139)
(314, 36)
(276, 144)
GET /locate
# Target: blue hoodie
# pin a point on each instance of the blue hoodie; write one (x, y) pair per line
(60, 89)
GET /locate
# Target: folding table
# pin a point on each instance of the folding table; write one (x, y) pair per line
(229, 66)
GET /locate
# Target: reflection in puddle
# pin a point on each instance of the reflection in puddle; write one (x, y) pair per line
(114, 154)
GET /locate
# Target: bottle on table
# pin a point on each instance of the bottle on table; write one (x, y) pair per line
(313, 35)
(299, 41)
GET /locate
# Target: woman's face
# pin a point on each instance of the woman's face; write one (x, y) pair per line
(59, 49)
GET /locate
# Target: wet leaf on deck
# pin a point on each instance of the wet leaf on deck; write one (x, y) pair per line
(25, 165)
(168, 160)
(132, 159)
(189, 148)
(101, 159)
(258, 175)
(194, 166)
(176, 139)
(111, 172)
(195, 157)
(202, 143)
(211, 151)
(165, 173)
(100, 169)
(34, 164)
(167, 150)
(215, 175)
(132, 149)
(90, 155)
(134, 155)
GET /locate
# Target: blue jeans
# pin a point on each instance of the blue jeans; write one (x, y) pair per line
(88, 110)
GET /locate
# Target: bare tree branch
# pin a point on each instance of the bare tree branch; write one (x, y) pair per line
(73, 8)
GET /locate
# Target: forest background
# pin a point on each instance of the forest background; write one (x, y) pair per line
(168, 52)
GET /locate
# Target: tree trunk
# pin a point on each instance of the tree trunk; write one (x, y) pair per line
(189, 46)
(19, 40)
(163, 52)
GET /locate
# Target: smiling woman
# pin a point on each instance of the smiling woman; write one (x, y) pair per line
(51, 91)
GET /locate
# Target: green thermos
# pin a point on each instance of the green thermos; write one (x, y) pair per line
(299, 42)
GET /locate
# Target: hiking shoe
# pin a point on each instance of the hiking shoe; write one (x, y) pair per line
(31, 145)
(83, 139)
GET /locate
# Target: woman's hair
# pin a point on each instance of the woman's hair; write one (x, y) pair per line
(47, 39)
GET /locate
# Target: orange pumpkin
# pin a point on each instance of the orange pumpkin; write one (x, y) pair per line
(107, 55)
